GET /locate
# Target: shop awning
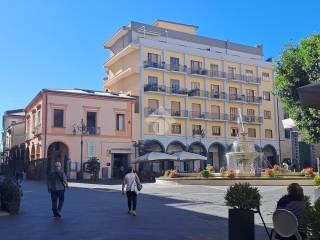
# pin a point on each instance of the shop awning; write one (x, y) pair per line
(188, 156)
(154, 157)
(309, 95)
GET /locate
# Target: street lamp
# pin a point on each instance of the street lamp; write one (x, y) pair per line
(82, 129)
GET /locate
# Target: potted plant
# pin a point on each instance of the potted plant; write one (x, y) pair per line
(316, 184)
(92, 166)
(310, 219)
(205, 173)
(11, 194)
(243, 200)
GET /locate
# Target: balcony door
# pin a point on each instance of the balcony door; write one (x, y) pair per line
(175, 108)
(214, 91)
(233, 114)
(92, 122)
(154, 59)
(196, 110)
(175, 85)
(174, 64)
(215, 111)
(153, 106)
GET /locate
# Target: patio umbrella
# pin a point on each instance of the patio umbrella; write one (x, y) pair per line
(187, 156)
(309, 95)
(154, 157)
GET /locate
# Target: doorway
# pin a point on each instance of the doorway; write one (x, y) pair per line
(120, 163)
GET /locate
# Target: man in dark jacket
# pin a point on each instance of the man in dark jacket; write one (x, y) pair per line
(57, 183)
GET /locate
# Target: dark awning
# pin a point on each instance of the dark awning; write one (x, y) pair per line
(310, 95)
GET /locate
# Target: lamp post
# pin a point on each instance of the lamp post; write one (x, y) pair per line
(83, 131)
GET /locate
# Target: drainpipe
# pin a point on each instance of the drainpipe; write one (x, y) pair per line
(278, 130)
(45, 126)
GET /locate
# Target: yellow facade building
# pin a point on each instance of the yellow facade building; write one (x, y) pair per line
(191, 88)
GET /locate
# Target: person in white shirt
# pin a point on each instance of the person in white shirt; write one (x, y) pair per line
(130, 182)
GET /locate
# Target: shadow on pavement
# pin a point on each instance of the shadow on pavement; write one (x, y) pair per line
(101, 214)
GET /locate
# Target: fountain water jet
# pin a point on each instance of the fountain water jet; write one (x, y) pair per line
(243, 158)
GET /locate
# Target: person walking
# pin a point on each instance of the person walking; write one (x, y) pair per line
(133, 185)
(57, 183)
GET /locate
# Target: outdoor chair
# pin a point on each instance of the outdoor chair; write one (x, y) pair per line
(285, 224)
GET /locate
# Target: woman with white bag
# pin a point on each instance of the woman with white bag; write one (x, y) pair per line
(133, 185)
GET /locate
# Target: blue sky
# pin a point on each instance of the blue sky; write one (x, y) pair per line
(58, 44)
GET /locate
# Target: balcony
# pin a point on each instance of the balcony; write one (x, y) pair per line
(217, 116)
(154, 88)
(177, 113)
(197, 115)
(253, 119)
(217, 95)
(235, 77)
(251, 79)
(236, 97)
(253, 99)
(176, 68)
(176, 90)
(158, 65)
(198, 93)
(198, 71)
(93, 130)
(148, 111)
(216, 74)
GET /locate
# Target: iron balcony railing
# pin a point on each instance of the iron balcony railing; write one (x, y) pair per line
(177, 113)
(236, 97)
(176, 68)
(216, 74)
(217, 116)
(198, 71)
(217, 95)
(196, 114)
(176, 90)
(253, 119)
(253, 99)
(154, 88)
(153, 111)
(251, 79)
(197, 93)
(150, 64)
(234, 77)
(93, 130)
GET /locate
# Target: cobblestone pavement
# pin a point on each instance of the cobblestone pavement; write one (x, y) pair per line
(99, 212)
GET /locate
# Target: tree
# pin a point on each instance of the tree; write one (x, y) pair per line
(92, 166)
(299, 65)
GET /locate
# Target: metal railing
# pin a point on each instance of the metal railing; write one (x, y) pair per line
(252, 119)
(153, 111)
(216, 74)
(236, 97)
(93, 130)
(217, 116)
(177, 113)
(175, 90)
(217, 95)
(253, 99)
(197, 93)
(154, 88)
(150, 64)
(196, 114)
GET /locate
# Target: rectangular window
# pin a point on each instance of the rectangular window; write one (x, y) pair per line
(176, 128)
(266, 95)
(33, 120)
(233, 92)
(232, 72)
(175, 108)
(265, 76)
(153, 127)
(58, 118)
(214, 90)
(233, 114)
(38, 118)
(92, 123)
(216, 131)
(195, 67)
(195, 85)
(120, 122)
(287, 133)
(153, 80)
(250, 112)
(196, 110)
(252, 132)
(153, 106)
(214, 70)
(250, 95)
(267, 114)
(268, 133)
(91, 149)
(215, 111)
(234, 132)
(175, 85)
(154, 58)
(196, 129)
(174, 64)
(249, 73)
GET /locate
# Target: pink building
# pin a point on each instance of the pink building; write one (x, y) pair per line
(56, 118)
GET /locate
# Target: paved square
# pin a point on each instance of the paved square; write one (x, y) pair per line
(95, 212)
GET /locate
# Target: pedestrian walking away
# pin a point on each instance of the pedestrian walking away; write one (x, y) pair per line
(132, 184)
(57, 183)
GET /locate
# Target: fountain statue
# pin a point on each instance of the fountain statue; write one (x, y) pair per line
(243, 159)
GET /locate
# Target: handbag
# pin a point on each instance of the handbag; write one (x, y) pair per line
(139, 185)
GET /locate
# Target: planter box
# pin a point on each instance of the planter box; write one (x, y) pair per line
(11, 207)
(241, 224)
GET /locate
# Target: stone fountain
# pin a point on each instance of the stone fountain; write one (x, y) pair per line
(243, 159)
